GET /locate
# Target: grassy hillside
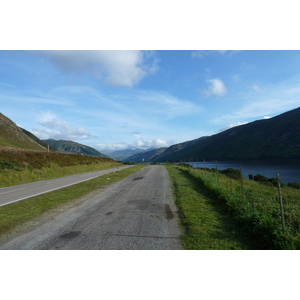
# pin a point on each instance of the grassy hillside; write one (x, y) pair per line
(36, 139)
(11, 136)
(73, 147)
(146, 155)
(21, 166)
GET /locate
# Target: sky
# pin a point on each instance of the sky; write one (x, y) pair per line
(113, 100)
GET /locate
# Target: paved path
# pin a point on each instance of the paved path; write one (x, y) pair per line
(20, 192)
(137, 212)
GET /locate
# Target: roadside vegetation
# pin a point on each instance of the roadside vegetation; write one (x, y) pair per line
(18, 213)
(252, 206)
(23, 166)
(204, 218)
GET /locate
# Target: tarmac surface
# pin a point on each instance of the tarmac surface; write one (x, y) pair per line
(136, 213)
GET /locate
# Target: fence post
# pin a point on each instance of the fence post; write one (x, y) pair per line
(281, 203)
(242, 183)
(204, 168)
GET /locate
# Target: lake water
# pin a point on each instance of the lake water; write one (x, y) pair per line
(289, 170)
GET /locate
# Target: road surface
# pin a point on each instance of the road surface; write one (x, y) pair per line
(137, 212)
(20, 192)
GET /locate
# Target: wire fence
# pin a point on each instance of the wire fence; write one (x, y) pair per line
(268, 206)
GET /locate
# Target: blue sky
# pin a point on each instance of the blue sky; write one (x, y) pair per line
(113, 100)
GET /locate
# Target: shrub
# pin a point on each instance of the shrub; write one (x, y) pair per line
(260, 178)
(294, 185)
(7, 165)
(232, 173)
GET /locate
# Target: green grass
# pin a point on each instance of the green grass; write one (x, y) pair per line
(19, 166)
(11, 177)
(258, 211)
(18, 213)
(205, 219)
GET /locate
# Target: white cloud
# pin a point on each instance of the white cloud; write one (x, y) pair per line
(275, 100)
(257, 88)
(140, 143)
(158, 103)
(7, 85)
(236, 78)
(53, 128)
(216, 87)
(232, 125)
(115, 68)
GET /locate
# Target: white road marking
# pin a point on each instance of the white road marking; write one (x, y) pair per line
(45, 192)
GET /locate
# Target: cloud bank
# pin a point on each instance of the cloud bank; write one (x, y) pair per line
(140, 143)
(114, 68)
(53, 128)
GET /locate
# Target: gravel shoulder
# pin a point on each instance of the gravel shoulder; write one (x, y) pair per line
(137, 212)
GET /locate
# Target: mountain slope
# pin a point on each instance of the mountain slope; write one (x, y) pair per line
(277, 137)
(122, 155)
(146, 155)
(36, 139)
(73, 147)
(274, 138)
(13, 136)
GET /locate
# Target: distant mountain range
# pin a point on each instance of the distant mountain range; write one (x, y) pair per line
(274, 138)
(147, 156)
(73, 147)
(122, 155)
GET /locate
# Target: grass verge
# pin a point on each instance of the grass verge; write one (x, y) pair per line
(11, 177)
(205, 219)
(15, 214)
(19, 166)
(255, 207)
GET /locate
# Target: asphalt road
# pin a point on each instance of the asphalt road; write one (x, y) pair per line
(20, 192)
(137, 212)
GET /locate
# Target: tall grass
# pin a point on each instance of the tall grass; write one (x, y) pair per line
(207, 226)
(256, 207)
(19, 166)
(11, 177)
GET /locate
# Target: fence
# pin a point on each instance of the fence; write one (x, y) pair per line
(268, 211)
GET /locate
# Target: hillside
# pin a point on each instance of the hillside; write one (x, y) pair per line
(12, 136)
(36, 139)
(146, 156)
(73, 147)
(274, 138)
(122, 155)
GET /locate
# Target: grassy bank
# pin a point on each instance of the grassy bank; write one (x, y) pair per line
(15, 214)
(23, 166)
(204, 218)
(255, 207)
